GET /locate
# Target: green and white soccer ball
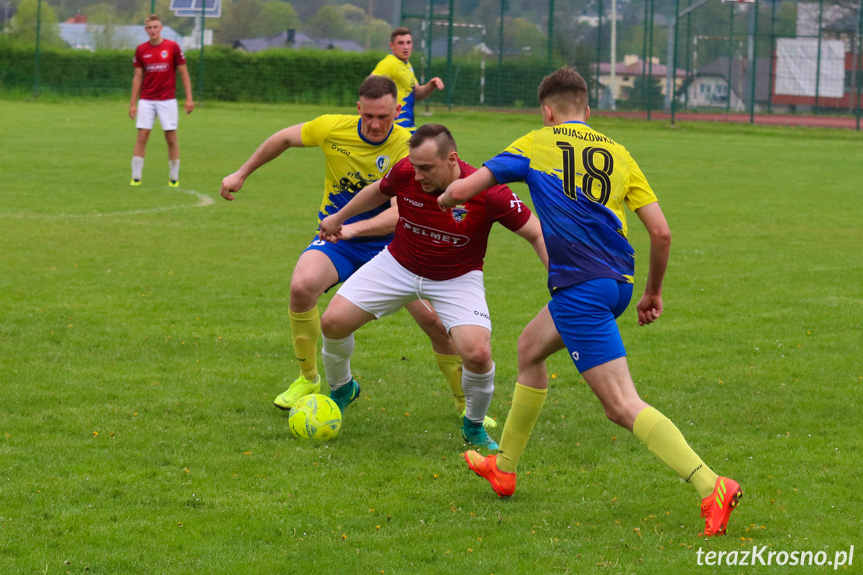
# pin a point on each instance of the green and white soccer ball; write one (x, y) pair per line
(315, 416)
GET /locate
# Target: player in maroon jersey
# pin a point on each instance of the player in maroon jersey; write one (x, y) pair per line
(157, 63)
(436, 256)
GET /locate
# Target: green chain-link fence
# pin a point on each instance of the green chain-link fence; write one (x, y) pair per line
(662, 59)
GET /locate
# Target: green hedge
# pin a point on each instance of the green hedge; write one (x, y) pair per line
(65, 71)
(312, 76)
(300, 76)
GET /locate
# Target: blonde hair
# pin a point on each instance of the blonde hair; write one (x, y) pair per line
(564, 89)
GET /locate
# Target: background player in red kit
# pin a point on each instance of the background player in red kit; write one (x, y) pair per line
(157, 63)
(436, 256)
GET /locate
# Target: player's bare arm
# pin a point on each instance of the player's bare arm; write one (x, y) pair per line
(381, 225)
(137, 80)
(272, 148)
(650, 305)
(532, 232)
(189, 104)
(464, 189)
(421, 92)
(366, 199)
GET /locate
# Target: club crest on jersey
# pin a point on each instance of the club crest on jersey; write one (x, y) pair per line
(382, 163)
(459, 213)
(164, 53)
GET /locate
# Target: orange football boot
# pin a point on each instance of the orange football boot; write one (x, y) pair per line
(502, 482)
(717, 507)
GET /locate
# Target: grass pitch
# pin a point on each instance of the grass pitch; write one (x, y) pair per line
(144, 334)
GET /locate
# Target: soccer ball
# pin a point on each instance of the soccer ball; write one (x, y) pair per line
(315, 416)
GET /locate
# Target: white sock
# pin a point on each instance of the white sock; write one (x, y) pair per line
(174, 170)
(137, 167)
(478, 391)
(336, 355)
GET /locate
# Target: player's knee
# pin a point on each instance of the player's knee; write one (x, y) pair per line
(334, 328)
(528, 351)
(304, 295)
(329, 326)
(477, 358)
(623, 413)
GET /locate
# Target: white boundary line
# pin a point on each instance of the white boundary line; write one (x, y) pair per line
(203, 201)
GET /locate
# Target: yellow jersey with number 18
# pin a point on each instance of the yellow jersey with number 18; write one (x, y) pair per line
(352, 162)
(579, 181)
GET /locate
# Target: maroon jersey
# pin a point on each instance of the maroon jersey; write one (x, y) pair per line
(160, 65)
(444, 245)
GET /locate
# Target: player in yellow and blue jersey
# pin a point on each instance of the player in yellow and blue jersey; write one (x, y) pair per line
(358, 150)
(579, 181)
(397, 67)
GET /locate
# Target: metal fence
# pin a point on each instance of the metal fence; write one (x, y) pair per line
(767, 59)
(779, 61)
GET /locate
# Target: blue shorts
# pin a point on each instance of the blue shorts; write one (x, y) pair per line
(349, 256)
(584, 315)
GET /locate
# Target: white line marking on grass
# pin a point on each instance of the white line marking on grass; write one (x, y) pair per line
(203, 201)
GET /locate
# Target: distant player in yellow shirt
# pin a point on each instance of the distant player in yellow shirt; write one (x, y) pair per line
(358, 150)
(398, 68)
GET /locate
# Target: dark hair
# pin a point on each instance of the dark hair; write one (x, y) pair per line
(565, 87)
(437, 132)
(401, 31)
(375, 87)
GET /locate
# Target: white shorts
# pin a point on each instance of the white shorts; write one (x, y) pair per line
(149, 109)
(383, 286)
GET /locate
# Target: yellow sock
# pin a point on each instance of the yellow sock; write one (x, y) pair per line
(305, 331)
(666, 442)
(451, 367)
(527, 404)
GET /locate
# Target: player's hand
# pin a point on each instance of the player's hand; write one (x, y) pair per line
(189, 106)
(445, 200)
(231, 185)
(347, 232)
(437, 83)
(649, 308)
(333, 239)
(330, 229)
(133, 111)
